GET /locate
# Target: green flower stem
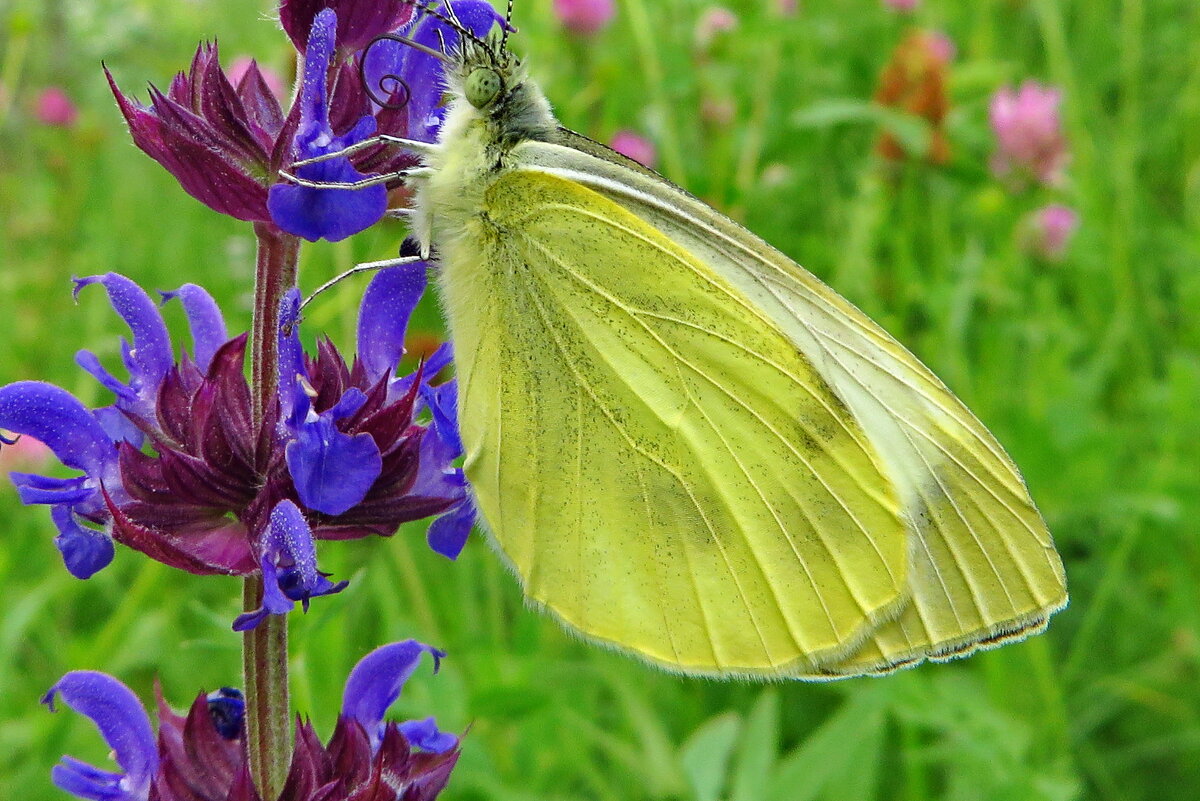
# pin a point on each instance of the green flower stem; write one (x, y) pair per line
(265, 648)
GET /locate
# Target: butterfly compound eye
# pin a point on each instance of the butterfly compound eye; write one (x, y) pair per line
(482, 87)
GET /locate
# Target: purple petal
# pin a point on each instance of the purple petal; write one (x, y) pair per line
(118, 427)
(332, 214)
(33, 488)
(383, 316)
(448, 534)
(123, 724)
(85, 551)
(57, 418)
(291, 359)
(437, 361)
(358, 22)
(442, 401)
(86, 781)
(424, 734)
(274, 602)
(375, 683)
(151, 356)
(332, 471)
(90, 363)
(289, 566)
(204, 321)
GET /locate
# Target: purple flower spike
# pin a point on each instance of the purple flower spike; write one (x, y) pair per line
(376, 681)
(289, 567)
(383, 317)
(331, 214)
(205, 321)
(123, 724)
(358, 22)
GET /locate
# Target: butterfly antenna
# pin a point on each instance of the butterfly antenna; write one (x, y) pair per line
(507, 26)
(390, 83)
(450, 18)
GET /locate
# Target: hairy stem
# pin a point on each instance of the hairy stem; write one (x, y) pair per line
(265, 648)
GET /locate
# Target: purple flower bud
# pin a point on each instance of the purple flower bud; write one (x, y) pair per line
(1029, 133)
(359, 21)
(216, 140)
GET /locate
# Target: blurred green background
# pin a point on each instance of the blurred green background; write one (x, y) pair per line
(1087, 369)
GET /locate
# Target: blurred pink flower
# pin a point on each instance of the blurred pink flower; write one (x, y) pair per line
(54, 107)
(241, 65)
(25, 455)
(1049, 231)
(787, 8)
(941, 46)
(713, 22)
(1029, 133)
(628, 143)
(901, 5)
(584, 17)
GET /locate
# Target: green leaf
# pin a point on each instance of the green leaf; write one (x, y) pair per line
(705, 755)
(833, 750)
(757, 750)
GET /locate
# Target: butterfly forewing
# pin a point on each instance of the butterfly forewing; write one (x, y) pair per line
(983, 568)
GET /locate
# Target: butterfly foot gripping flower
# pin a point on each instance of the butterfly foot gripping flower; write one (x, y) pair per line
(202, 755)
(176, 467)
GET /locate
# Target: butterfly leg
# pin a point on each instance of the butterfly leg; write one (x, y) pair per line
(403, 175)
(406, 257)
(423, 148)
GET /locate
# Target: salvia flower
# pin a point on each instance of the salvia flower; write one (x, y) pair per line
(201, 756)
(1029, 135)
(226, 141)
(177, 469)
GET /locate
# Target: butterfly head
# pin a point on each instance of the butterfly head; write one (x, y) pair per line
(494, 88)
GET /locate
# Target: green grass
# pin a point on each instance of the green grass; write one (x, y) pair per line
(1088, 371)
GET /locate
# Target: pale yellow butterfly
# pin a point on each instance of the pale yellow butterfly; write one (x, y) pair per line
(684, 444)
